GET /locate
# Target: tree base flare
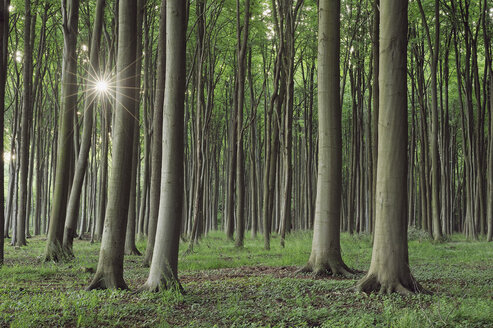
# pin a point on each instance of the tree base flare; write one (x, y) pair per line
(133, 251)
(328, 269)
(157, 285)
(55, 252)
(371, 284)
(107, 281)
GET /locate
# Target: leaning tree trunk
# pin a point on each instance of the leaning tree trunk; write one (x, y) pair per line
(70, 13)
(389, 270)
(164, 267)
(81, 166)
(326, 250)
(109, 273)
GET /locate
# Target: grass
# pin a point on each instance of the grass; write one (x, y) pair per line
(250, 287)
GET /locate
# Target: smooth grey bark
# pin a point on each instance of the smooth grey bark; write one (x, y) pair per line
(109, 273)
(20, 235)
(70, 14)
(130, 247)
(240, 79)
(326, 256)
(434, 50)
(389, 269)
(487, 40)
(157, 133)
(164, 267)
(4, 35)
(82, 158)
(375, 99)
(490, 166)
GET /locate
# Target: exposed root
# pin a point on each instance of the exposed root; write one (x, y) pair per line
(327, 270)
(133, 251)
(101, 281)
(371, 284)
(156, 286)
(303, 270)
(54, 252)
(68, 253)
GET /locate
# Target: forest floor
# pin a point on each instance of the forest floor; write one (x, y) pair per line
(230, 287)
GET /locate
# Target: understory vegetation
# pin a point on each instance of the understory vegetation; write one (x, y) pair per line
(227, 286)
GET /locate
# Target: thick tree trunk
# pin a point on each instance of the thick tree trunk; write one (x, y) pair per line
(326, 257)
(164, 267)
(70, 14)
(109, 273)
(389, 270)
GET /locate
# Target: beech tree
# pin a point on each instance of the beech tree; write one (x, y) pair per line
(90, 102)
(65, 156)
(157, 129)
(389, 269)
(19, 239)
(164, 266)
(109, 273)
(4, 35)
(241, 77)
(326, 250)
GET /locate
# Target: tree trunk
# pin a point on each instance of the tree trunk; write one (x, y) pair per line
(90, 102)
(240, 80)
(389, 270)
(326, 257)
(109, 273)
(164, 267)
(20, 235)
(157, 142)
(70, 14)
(130, 247)
(4, 35)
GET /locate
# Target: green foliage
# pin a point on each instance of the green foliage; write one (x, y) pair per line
(230, 287)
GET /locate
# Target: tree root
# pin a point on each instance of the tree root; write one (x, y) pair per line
(102, 281)
(133, 251)
(327, 270)
(371, 284)
(156, 286)
(54, 252)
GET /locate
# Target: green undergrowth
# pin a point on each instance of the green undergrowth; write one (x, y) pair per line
(250, 287)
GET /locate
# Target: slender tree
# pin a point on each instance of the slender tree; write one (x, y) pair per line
(109, 273)
(4, 35)
(70, 15)
(241, 77)
(20, 234)
(157, 133)
(326, 250)
(164, 267)
(389, 270)
(434, 50)
(90, 102)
